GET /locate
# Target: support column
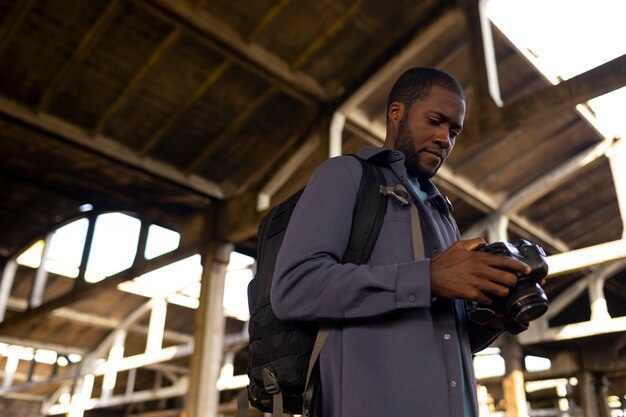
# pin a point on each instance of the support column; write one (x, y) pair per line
(513, 382)
(602, 395)
(8, 275)
(588, 396)
(203, 397)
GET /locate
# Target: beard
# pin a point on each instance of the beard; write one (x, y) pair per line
(404, 143)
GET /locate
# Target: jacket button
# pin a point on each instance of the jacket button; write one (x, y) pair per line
(453, 383)
(447, 336)
(412, 298)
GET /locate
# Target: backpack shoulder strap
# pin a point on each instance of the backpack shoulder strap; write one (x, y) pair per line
(367, 219)
(368, 214)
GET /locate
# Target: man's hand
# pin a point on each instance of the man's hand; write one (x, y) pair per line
(462, 272)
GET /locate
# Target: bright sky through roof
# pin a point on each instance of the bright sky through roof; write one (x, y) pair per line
(569, 37)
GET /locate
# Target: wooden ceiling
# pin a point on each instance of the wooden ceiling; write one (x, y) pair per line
(175, 109)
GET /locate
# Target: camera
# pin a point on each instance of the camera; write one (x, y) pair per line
(526, 300)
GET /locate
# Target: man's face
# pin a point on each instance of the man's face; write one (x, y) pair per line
(428, 130)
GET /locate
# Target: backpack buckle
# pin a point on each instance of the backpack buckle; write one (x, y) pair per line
(270, 381)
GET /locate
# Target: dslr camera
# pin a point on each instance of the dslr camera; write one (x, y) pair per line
(526, 300)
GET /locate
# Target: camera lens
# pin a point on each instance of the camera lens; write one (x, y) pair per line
(528, 302)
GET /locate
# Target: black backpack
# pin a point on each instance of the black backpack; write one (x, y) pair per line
(282, 363)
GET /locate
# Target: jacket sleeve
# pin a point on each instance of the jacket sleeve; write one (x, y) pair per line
(310, 283)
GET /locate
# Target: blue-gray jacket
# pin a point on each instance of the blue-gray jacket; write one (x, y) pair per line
(393, 349)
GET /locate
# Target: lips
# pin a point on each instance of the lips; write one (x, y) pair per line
(435, 153)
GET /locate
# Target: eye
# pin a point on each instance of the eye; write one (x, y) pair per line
(434, 121)
(454, 134)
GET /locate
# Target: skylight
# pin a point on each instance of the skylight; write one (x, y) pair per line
(564, 38)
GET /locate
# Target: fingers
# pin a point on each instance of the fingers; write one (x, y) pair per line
(472, 244)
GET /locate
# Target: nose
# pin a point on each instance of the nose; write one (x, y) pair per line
(443, 138)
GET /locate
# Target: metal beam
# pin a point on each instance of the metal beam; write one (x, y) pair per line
(63, 131)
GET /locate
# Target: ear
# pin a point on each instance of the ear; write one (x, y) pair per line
(395, 113)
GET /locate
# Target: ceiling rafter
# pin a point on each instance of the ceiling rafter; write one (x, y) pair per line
(63, 131)
(29, 317)
(251, 56)
(268, 18)
(484, 73)
(330, 31)
(93, 35)
(213, 77)
(21, 305)
(137, 79)
(553, 99)
(232, 129)
(13, 22)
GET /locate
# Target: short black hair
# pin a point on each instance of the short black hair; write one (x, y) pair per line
(416, 83)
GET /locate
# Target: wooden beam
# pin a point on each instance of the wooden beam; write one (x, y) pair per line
(286, 171)
(252, 56)
(553, 99)
(269, 16)
(232, 129)
(582, 258)
(483, 64)
(329, 32)
(13, 22)
(213, 77)
(63, 131)
(617, 159)
(137, 80)
(28, 318)
(386, 75)
(88, 41)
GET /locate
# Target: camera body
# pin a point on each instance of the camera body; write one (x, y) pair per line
(526, 300)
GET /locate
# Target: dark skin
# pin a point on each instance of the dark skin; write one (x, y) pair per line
(426, 133)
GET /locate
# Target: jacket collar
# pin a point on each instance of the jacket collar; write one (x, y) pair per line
(391, 156)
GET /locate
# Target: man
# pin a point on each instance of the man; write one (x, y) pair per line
(400, 343)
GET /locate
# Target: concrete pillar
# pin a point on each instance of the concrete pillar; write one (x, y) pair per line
(203, 397)
(513, 382)
(588, 396)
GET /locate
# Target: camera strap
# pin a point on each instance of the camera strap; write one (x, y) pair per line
(401, 196)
